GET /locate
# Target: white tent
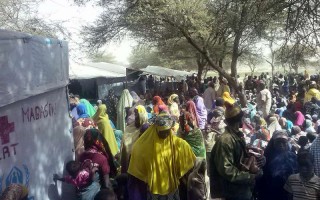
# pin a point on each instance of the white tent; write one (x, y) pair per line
(166, 72)
(96, 70)
(35, 137)
(102, 75)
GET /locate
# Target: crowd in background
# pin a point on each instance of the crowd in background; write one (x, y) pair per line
(195, 141)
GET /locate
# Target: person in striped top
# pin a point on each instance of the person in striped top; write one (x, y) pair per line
(305, 185)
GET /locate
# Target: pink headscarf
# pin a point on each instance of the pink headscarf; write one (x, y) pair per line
(299, 118)
(191, 108)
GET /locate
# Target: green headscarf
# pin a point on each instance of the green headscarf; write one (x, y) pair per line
(90, 109)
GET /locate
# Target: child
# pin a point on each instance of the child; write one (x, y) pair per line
(305, 184)
(80, 174)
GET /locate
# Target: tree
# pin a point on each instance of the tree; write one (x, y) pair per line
(295, 56)
(302, 28)
(203, 24)
(22, 15)
(251, 61)
(103, 57)
(144, 55)
(178, 49)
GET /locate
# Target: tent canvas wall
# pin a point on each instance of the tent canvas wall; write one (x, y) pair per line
(166, 72)
(35, 129)
(174, 76)
(93, 80)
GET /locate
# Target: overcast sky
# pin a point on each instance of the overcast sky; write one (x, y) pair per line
(77, 16)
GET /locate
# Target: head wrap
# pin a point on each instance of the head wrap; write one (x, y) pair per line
(157, 101)
(163, 108)
(93, 140)
(187, 122)
(191, 108)
(82, 111)
(90, 109)
(143, 115)
(147, 164)
(308, 116)
(280, 134)
(164, 122)
(308, 123)
(194, 91)
(227, 98)
(125, 101)
(299, 118)
(295, 130)
(171, 99)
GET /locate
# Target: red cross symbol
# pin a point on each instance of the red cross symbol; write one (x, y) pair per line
(5, 129)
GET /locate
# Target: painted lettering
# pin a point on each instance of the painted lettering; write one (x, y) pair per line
(45, 113)
(31, 114)
(38, 112)
(8, 151)
(25, 114)
(14, 148)
(5, 151)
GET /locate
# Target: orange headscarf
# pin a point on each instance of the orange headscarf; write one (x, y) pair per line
(157, 101)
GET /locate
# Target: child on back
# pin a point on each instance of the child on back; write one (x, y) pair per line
(305, 184)
(80, 174)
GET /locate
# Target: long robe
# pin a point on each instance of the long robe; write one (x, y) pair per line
(160, 162)
(102, 120)
(125, 101)
(264, 101)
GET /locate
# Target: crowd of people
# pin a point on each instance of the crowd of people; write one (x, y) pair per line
(198, 142)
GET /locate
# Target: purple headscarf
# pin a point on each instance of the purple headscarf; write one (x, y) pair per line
(201, 111)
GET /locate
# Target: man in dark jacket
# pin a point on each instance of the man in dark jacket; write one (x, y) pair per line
(227, 179)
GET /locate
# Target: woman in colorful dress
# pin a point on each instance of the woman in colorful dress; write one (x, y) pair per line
(132, 134)
(159, 159)
(192, 134)
(102, 120)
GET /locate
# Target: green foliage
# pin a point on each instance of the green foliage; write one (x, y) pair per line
(144, 55)
(295, 56)
(103, 57)
(22, 15)
(251, 60)
(210, 31)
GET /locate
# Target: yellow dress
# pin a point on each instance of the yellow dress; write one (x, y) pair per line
(160, 162)
(102, 120)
